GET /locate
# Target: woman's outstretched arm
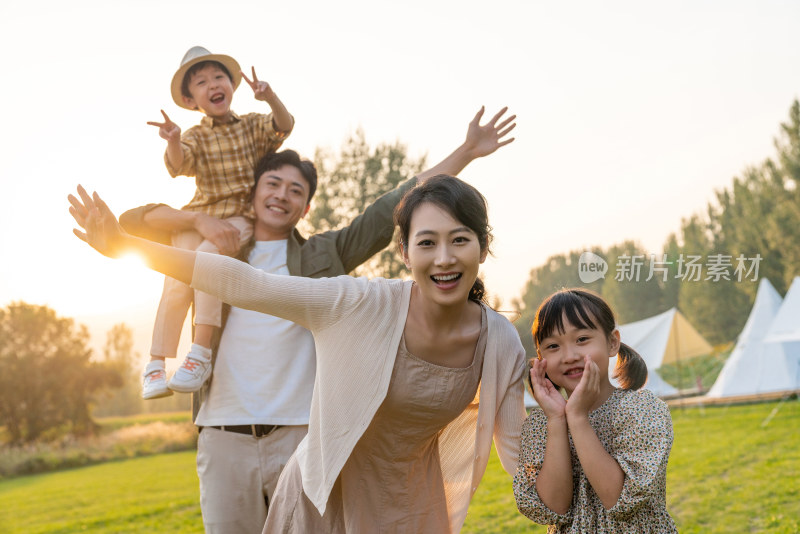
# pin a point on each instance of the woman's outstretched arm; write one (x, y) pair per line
(312, 303)
(102, 231)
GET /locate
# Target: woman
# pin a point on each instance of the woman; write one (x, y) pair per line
(399, 436)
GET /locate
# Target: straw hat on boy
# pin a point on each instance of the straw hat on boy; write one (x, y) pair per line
(195, 55)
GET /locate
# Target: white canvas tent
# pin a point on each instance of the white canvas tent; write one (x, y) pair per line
(529, 402)
(664, 338)
(785, 329)
(755, 366)
(786, 325)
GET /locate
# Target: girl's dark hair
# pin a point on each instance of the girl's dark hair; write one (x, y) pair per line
(582, 309)
(462, 201)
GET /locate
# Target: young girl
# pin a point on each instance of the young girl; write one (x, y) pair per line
(596, 462)
(400, 432)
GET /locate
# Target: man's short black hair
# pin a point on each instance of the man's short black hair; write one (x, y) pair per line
(276, 160)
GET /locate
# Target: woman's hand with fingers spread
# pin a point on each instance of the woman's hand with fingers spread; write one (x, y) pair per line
(100, 227)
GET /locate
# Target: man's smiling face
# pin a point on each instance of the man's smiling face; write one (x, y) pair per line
(280, 201)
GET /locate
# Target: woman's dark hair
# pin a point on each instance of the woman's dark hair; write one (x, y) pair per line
(582, 309)
(197, 67)
(462, 201)
(276, 160)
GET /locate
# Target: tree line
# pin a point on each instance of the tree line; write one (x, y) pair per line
(709, 269)
(50, 384)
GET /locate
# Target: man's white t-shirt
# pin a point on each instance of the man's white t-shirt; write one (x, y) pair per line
(265, 366)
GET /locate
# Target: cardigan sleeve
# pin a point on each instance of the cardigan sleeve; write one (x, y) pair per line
(313, 303)
(511, 413)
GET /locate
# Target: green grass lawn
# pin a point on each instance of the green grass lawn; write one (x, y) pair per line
(736, 469)
(153, 494)
(733, 469)
(118, 438)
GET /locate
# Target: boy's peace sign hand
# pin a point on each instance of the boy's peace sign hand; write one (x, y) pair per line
(261, 89)
(167, 130)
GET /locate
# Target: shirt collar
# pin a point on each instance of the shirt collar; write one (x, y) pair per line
(209, 122)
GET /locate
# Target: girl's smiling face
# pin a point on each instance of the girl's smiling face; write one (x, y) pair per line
(565, 351)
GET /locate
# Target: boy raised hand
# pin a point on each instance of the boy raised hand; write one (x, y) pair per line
(261, 89)
(282, 119)
(170, 132)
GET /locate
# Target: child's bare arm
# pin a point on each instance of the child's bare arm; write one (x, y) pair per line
(554, 483)
(262, 91)
(601, 469)
(171, 132)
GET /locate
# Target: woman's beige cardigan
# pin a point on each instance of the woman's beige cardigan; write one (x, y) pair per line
(357, 325)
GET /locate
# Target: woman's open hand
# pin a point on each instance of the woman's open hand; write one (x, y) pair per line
(101, 229)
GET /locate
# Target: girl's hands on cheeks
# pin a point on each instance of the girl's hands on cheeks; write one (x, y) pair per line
(586, 395)
(545, 393)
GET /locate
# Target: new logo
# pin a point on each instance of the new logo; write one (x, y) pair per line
(591, 267)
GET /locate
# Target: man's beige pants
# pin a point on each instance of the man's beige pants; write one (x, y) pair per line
(238, 474)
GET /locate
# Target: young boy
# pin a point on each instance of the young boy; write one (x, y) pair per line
(221, 153)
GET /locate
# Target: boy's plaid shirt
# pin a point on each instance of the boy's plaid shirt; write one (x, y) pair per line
(222, 158)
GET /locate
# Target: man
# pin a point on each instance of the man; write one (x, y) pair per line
(256, 410)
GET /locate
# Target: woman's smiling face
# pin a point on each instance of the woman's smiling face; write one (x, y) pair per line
(443, 255)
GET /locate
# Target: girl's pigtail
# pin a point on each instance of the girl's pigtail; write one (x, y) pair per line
(631, 370)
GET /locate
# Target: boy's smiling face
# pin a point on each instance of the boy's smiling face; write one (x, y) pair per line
(212, 91)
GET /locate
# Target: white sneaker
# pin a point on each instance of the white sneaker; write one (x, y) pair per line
(154, 381)
(194, 371)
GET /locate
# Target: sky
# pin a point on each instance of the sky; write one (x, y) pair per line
(630, 116)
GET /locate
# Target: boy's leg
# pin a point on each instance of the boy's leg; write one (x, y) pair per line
(208, 308)
(196, 368)
(176, 298)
